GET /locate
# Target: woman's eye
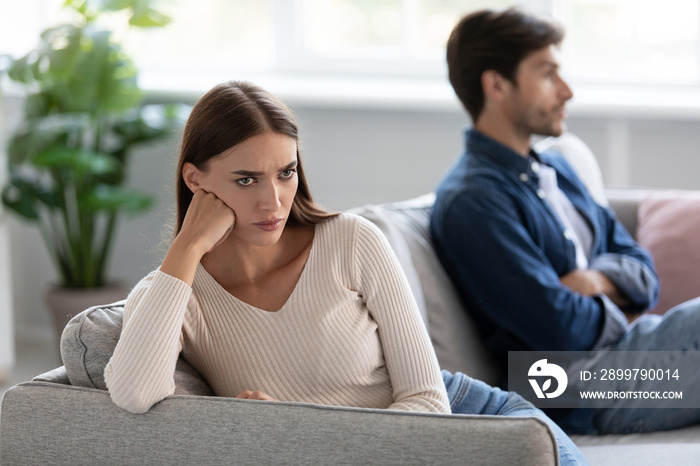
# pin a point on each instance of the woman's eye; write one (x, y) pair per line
(245, 181)
(287, 173)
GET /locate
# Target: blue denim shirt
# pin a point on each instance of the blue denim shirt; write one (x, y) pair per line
(505, 249)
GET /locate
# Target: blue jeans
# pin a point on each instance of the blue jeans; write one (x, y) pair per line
(471, 396)
(679, 331)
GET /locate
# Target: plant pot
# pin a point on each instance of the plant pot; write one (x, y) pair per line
(64, 303)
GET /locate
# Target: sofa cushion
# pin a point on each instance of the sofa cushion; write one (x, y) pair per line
(453, 332)
(689, 434)
(656, 453)
(581, 158)
(88, 342)
(669, 227)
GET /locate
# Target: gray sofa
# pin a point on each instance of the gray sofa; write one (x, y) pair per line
(66, 416)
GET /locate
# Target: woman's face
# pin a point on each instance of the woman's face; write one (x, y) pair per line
(258, 180)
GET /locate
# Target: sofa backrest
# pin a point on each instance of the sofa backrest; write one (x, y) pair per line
(581, 159)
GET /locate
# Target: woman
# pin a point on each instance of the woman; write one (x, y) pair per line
(271, 298)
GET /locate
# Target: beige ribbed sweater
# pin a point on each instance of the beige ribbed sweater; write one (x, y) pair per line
(350, 334)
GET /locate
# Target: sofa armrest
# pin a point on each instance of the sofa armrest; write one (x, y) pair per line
(44, 423)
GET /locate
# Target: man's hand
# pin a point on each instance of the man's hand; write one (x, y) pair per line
(590, 282)
(254, 395)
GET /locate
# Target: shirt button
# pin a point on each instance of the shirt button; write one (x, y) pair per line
(524, 178)
(541, 194)
(568, 235)
(535, 167)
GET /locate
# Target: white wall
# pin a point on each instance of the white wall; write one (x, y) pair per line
(660, 153)
(7, 347)
(354, 156)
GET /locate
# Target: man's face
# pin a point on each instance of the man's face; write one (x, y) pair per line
(536, 101)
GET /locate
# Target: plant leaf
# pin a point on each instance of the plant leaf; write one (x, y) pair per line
(37, 134)
(61, 46)
(147, 17)
(81, 162)
(37, 105)
(119, 199)
(20, 70)
(148, 123)
(142, 12)
(21, 201)
(111, 5)
(22, 193)
(118, 84)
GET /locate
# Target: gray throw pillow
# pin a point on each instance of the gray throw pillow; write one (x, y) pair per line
(57, 375)
(88, 342)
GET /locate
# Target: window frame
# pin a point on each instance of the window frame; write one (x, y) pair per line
(388, 83)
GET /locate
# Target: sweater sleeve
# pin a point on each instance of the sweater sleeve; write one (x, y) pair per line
(409, 355)
(141, 370)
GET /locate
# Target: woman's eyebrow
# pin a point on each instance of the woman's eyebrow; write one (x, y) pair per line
(249, 173)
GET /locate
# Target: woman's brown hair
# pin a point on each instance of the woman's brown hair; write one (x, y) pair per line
(227, 115)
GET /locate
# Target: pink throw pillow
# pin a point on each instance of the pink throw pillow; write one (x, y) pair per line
(669, 227)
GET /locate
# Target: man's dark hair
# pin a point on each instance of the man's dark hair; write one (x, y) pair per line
(493, 40)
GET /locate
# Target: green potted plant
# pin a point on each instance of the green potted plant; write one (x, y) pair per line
(67, 163)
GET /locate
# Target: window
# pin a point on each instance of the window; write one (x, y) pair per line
(404, 37)
(628, 41)
(208, 35)
(610, 41)
(394, 37)
(20, 23)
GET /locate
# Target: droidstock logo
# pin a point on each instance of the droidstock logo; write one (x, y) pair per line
(541, 369)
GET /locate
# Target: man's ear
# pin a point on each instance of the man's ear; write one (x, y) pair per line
(495, 85)
(191, 176)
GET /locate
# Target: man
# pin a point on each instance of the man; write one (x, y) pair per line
(538, 263)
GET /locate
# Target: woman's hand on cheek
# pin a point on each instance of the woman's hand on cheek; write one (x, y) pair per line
(208, 221)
